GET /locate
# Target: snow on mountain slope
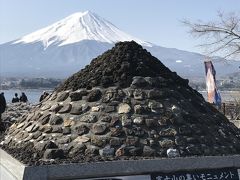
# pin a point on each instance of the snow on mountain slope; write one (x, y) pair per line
(78, 27)
(71, 43)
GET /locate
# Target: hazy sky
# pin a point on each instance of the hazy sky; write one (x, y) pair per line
(156, 21)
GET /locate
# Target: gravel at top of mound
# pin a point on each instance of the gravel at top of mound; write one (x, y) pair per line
(117, 67)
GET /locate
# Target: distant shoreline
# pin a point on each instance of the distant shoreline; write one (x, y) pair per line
(32, 94)
(38, 88)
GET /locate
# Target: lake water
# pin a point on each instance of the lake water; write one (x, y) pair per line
(32, 94)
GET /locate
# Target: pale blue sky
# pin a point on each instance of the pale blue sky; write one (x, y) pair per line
(156, 21)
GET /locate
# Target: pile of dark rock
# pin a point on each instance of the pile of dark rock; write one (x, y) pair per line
(117, 67)
(125, 105)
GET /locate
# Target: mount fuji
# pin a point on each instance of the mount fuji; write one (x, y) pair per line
(71, 43)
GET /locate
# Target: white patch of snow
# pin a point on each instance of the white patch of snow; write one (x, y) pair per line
(78, 27)
(178, 61)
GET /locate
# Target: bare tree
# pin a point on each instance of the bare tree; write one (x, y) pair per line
(221, 36)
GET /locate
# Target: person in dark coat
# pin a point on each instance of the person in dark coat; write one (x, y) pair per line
(2, 105)
(15, 99)
(43, 96)
(23, 98)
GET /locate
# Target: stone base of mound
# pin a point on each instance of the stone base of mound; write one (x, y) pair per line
(10, 168)
(220, 167)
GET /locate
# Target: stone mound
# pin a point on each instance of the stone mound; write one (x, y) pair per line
(143, 111)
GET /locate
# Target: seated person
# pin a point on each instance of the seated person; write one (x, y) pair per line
(15, 99)
(23, 97)
(43, 96)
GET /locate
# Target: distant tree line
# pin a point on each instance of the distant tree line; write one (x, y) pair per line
(221, 85)
(39, 83)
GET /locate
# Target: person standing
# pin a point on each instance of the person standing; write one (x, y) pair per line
(2, 105)
(15, 99)
(23, 98)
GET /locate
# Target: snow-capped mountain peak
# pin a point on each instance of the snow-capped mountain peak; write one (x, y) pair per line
(78, 27)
